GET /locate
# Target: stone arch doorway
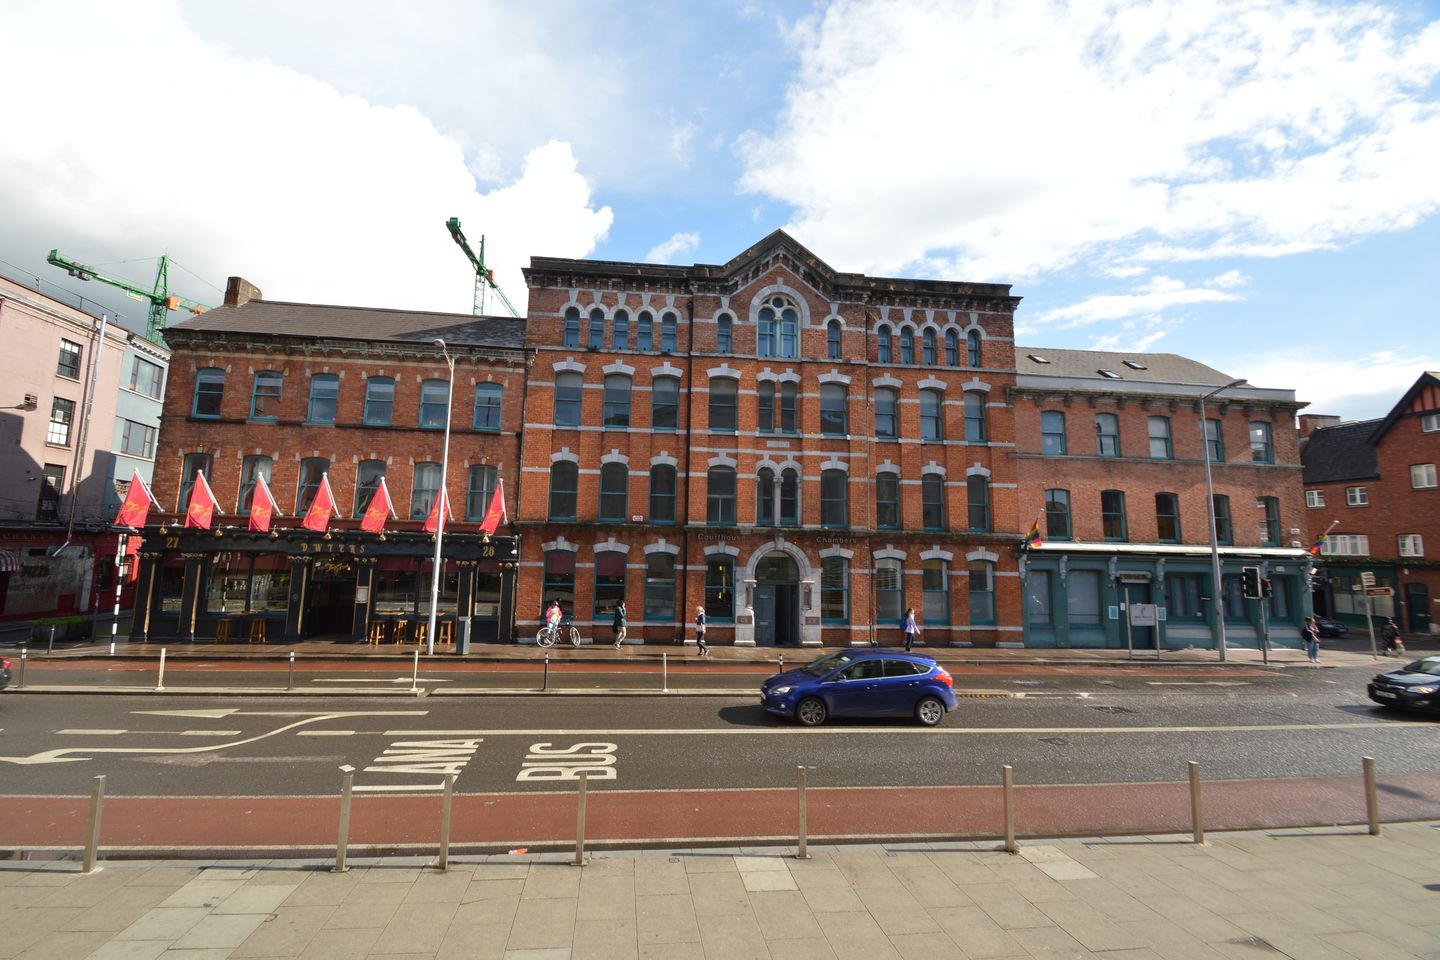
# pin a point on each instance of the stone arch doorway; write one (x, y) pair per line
(777, 601)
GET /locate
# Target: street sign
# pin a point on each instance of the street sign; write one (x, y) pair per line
(1379, 591)
(1142, 614)
(1367, 578)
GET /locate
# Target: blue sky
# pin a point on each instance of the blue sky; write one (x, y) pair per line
(1251, 184)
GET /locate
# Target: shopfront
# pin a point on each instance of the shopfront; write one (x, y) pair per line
(348, 587)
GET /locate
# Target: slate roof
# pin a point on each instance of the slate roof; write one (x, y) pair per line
(322, 321)
(1082, 364)
(1341, 452)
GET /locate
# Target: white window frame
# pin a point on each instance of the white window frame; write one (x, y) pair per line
(1356, 497)
(1430, 423)
(1411, 545)
(1346, 545)
(1422, 476)
(1314, 498)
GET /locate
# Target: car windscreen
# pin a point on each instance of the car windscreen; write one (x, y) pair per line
(1430, 665)
(827, 663)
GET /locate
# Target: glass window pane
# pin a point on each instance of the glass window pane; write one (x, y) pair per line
(379, 401)
(1083, 598)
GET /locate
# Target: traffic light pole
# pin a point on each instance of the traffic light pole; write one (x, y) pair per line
(1370, 625)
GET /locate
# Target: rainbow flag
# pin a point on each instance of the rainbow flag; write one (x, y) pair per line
(1319, 544)
(1032, 539)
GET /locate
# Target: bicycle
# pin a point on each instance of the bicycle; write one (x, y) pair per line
(548, 634)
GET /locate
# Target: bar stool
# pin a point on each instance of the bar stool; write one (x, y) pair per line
(257, 630)
(445, 632)
(400, 630)
(420, 633)
(222, 630)
(377, 633)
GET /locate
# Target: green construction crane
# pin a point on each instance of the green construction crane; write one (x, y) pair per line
(484, 277)
(160, 299)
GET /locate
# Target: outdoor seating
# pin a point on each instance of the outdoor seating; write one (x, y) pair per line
(222, 630)
(445, 632)
(257, 630)
(377, 631)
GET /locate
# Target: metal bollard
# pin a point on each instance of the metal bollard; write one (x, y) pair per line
(160, 681)
(291, 685)
(580, 822)
(449, 795)
(50, 647)
(1372, 796)
(1007, 785)
(664, 672)
(415, 674)
(23, 656)
(92, 833)
(802, 815)
(342, 843)
(1197, 817)
(782, 664)
(545, 681)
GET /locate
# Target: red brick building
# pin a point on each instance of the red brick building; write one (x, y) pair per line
(1110, 459)
(295, 393)
(1373, 484)
(804, 453)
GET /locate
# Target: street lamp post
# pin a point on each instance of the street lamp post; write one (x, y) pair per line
(1214, 536)
(444, 501)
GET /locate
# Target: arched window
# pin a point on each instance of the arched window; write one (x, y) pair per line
(434, 399)
(832, 340)
(932, 502)
(778, 328)
(722, 404)
(884, 345)
(609, 582)
(927, 347)
(614, 492)
(789, 498)
(620, 331)
(569, 389)
(887, 414)
(887, 500)
(1057, 514)
(379, 401)
(835, 590)
(616, 413)
(487, 407)
(644, 331)
(595, 340)
(662, 493)
(972, 348)
(765, 407)
(564, 479)
(368, 475)
(907, 346)
(480, 491)
(724, 334)
(975, 426)
(789, 413)
(765, 497)
(559, 579)
(952, 348)
(977, 496)
(720, 589)
(982, 592)
(422, 492)
(935, 586)
(889, 595)
(834, 498)
(667, 333)
(324, 397)
(834, 414)
(665, 403)
(932, 415)
(660, 587)
(572, 327)
(251, 470)
(720, 496)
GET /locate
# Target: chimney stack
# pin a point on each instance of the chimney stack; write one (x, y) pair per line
(240, 291)
(1310, 422)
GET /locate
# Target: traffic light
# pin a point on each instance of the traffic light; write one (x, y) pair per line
(1250, 581)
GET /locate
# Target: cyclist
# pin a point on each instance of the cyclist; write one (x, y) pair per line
(552, 619)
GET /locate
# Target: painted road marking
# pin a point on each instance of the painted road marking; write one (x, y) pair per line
(371, 680)
(1199, 683)
(168, 733)
(325, 733)
(591, 761)
(899, 730)
(421, 758)
(90, 733)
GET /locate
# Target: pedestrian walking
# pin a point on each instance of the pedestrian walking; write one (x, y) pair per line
(700, 631)
(1312, 640)
(912, 632)
(619, 623)
(1394, 646)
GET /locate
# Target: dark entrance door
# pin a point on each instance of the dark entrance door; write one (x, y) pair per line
(1417, 606)
(1141, 638)
(332, 597)
(777, 601)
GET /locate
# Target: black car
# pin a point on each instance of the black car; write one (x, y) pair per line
(1415, 686)
(4, 672)
(1331, 628)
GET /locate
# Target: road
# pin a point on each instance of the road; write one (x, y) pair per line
(701, 766)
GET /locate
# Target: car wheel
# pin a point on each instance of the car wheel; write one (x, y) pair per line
(929, 711)
(811, 712)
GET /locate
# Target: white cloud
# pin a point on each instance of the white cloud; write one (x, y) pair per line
(1151, 297)
(1137, 336)
(1150, 133)
(256, 169)
(677, 244)
(1360, 386)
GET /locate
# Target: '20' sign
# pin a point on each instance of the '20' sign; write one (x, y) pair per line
(546, 761)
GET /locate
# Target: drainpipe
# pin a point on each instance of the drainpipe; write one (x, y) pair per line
(95, 357)
(684, 523)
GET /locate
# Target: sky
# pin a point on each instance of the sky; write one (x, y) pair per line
(1251, 184)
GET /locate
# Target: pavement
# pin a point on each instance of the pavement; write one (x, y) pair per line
(1318, 894)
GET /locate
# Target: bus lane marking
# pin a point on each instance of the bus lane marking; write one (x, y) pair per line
(589, 760)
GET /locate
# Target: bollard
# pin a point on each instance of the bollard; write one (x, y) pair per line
(545, 681)
(449, 795)
(782, 665)
(347, 785)
(50, 647)
(92, 833)
(160, 681)
(291, 685)
(1007, 783)
(802, 816)
(23, 655)
(1196, 816)
(664, 673)
(580, 822)
(415, 673)
(1372, 796)
(112, 648)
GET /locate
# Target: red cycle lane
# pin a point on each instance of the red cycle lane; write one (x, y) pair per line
(502, 821)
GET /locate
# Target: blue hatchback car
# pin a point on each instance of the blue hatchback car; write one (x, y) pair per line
(869, 683)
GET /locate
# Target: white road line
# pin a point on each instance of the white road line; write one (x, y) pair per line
(325, 733)
(402, 788)
(370, 680)
(896, 730)
(166, 733)
(90, 733)
(1198, 683)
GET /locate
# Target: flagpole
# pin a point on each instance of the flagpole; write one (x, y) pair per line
(444, 501)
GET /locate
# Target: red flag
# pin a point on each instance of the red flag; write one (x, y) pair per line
(432, 521)
(381, 509)
(322, 508)
(495, 514)
(262, 506)
(203, 505)
(136, 507)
